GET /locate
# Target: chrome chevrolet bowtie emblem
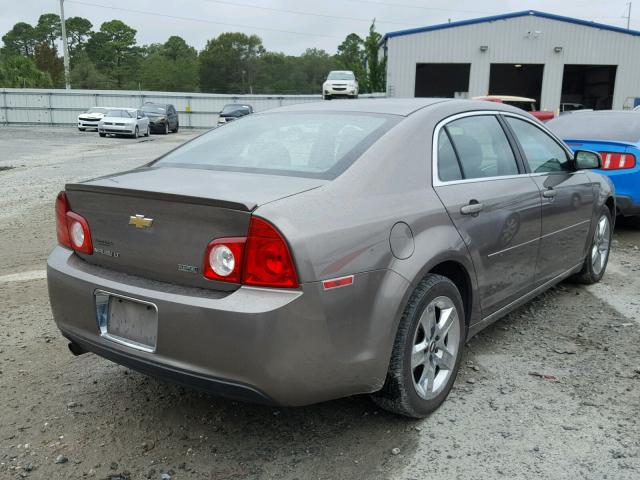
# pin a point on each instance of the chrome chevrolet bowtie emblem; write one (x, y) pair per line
(140, 222)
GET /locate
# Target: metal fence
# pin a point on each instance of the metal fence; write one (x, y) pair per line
(60, 107)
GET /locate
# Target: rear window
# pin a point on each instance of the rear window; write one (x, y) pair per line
(614, 126)
(316, 145)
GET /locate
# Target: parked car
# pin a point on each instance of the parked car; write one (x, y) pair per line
(321, 250)
(124, 121)
(340, 83)
(163, 117)
(570, 107)
(234, 111)
(524, 103)
(616, 136)
(91, 117)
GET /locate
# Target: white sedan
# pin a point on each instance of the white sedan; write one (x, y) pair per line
(91, 117)
(124, 121)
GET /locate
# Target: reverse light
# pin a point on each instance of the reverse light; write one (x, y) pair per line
(223, 259)
(72, 229)
(260, 259)
(617, 161)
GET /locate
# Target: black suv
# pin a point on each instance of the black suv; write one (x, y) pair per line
(163, 117)
(233, 111)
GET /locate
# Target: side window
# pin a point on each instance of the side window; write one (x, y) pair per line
(543, 154)
(448, 167)
(482, 147)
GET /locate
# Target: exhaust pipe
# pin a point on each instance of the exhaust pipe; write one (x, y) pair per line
(76, 349)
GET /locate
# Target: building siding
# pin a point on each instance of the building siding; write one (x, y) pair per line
(509, 41)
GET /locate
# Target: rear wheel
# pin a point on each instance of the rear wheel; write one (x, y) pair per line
(102, 134)
(598, 255)
(175, 130)
(427, 350)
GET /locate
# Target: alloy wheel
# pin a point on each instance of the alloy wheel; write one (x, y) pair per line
(600, 245)
(435, 347)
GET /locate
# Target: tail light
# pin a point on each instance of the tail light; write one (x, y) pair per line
(617, 161)
(72, 229)
(260, 259)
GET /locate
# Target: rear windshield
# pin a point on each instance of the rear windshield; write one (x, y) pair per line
(316, 145)
(613, 126)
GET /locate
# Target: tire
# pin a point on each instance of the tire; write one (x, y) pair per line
(404, 391)
(326, 97)
(146, 134)
(102, 134)
(166, 129)
(136, 132)
(595, 264)
(81, 129)
(175, 130)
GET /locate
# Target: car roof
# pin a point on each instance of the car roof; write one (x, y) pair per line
(505, 98)
(392, 106)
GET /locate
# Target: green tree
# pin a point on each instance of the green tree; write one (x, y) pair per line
(78, 31)
(20, 40)
(84, 74)
(375, 68)
(48, 29)
(315, 65)
(114, 52)
(230, 63)
(21, 72)
(351, 56)
(172, 66)
(47, 60)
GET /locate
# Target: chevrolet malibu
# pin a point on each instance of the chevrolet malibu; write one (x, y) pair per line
(313, 252)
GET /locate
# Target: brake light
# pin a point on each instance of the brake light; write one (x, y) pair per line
(617, 161)
(62, 207)
(72, 229)
(261, 259)
(268, 262)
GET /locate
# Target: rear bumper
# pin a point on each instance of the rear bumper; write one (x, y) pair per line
(626, 206)
(286, 347)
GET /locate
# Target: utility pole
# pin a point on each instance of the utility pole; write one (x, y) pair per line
(65, 47)
(628, 17)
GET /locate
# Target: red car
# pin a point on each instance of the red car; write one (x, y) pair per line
(526, 104)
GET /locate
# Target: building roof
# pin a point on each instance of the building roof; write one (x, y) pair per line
(506, 16)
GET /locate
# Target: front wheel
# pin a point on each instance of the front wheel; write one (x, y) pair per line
(102, 134)
(598, 255)
(326, 97)
(427, 350)
(166, 129)
(136, 132)
(81, 129)
(175, 130)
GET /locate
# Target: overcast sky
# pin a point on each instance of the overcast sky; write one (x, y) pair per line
(303, 23)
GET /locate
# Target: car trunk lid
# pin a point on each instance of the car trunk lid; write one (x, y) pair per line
(157, 222)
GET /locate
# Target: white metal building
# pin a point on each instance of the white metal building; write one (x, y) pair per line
(551, 58)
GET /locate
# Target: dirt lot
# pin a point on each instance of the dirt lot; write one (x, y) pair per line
(552, 391)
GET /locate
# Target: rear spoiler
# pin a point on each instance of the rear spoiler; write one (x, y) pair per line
(169, 197)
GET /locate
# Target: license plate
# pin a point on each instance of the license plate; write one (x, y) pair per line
(127, 321)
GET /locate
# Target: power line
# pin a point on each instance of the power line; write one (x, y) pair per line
(202, 20)
(309, 14)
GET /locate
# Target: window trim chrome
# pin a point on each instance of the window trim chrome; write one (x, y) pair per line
(435, 177)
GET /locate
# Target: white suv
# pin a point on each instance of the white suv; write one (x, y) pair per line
(340, 83)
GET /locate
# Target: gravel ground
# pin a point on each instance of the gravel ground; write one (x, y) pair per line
(551, 391)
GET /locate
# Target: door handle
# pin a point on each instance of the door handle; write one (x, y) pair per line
(549, 193)
(474, 208)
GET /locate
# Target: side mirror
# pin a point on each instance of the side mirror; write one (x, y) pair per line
(586, 160)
